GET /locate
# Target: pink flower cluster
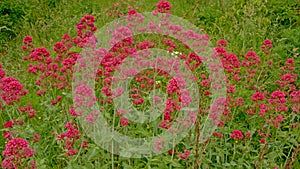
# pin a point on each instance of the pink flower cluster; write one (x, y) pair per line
(222, 43)
(266, 46)
(11, 90)
(184, 155)
(71, 136)
(58, 71)
(28, 110)
(288, 78)
(295, 101)
(117, 9)
(124, 121)
(84, 97)
(181, 155)
(237, 134)
(85, 30)
(17, 151)
(2, 72)
(278, 101)
(251, 59)
(193, 61)
(172, 104)
(163, 6)
(258, 96)
(230, 61)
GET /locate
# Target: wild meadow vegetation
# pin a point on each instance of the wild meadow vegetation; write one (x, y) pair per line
(256, 43)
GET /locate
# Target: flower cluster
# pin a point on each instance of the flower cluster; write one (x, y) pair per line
(295, 101)
(28, 110)
(266, 46)
(236, 134)
(184, 155)
(2, 72)
(258, 96)
(163, 6)
(58, 71)
(11, 90)
(17, 151)
(230, 61)
(85, 30)
(124, 121)
(71, 137)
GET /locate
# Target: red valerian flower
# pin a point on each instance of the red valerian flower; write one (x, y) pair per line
(18, 148)
(2, 72)
(277, 97)
(222, 43)
(184, 155)
(121, 112)
(262, 141)
(258, 96)
(12, 90)
(163, 6)
(171, 152)
(36, 137)
(84, 144)
(266, 46)
(124, 122)
(159, 144)
(218, 134)
(8, 135)
(72, 112)
(54, 102)
(248, 134)
(268, 43)
(295, 101)
(236, 134)
(71, 152)
(28, 110)
(72, 133)
(27, 40)
(132, 12)
(8, 124)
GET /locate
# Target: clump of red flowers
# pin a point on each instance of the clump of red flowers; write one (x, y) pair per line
(163, 7)
(28, 110)
(266, 46)
(124, 121)
(11, 90)
(2, 72)
(184, 155)
(258, 96)
(237, 134)
(17, 151)
(71, 137)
